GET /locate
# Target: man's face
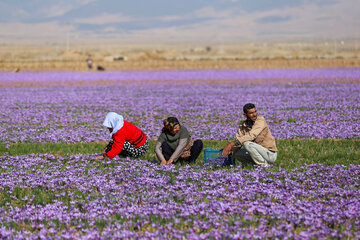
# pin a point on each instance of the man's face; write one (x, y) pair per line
(251, 114)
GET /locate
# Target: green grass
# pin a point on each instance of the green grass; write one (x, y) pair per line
(293, 153)
(52, 148)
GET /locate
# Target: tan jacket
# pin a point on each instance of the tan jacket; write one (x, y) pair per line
(259, 133)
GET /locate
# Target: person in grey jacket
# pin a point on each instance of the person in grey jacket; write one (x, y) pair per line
(175, 143)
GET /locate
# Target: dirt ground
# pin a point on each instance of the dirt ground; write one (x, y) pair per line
(27, 57)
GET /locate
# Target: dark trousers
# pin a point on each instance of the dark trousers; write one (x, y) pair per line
(194, 151)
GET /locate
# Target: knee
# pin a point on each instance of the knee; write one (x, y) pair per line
(199, 143)
(247, 145)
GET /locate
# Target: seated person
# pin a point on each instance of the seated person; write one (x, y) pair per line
(254, 135)
(176, 143)
(127, 139)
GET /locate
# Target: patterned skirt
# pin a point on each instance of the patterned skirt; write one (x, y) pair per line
(130, 151)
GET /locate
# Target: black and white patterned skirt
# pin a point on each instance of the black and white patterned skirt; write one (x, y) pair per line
(130, 151)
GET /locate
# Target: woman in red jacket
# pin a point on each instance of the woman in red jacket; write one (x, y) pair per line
(127, 139)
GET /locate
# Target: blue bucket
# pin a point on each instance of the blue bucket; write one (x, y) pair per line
(214, 157)
(211, 154)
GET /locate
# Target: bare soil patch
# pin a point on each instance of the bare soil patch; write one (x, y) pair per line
(155, 57)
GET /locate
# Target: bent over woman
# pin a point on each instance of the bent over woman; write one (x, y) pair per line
(127, 139)
(176, 143)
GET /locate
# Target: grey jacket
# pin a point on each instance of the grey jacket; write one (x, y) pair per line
(177, 142)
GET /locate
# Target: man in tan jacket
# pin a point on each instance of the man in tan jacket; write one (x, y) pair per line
(254, 134)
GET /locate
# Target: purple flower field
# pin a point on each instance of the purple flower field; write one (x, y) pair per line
(43, 196)
(181, 77)
(207, 102)
(74, 197)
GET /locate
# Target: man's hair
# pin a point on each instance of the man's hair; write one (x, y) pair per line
(248, 106)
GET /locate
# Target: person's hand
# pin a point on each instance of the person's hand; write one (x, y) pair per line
(163, 162)
(227, 149)
(170, 161)
(99, 157)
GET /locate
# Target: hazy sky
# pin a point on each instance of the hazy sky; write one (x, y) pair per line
(180, 21)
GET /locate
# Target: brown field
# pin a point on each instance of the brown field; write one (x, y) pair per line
(155, 57)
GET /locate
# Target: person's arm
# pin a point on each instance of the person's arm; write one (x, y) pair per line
(158, 152)
(117, 147)
(227, 149)
(106, 149)
(179, 149)
(256, 129)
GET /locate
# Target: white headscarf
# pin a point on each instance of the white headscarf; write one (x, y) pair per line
(114, 121)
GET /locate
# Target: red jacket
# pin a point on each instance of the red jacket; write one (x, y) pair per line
(129, 133)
